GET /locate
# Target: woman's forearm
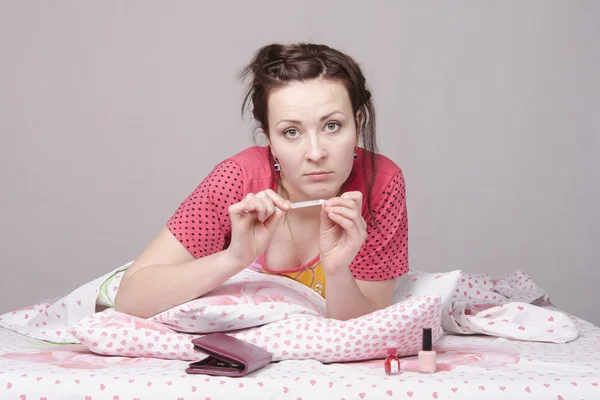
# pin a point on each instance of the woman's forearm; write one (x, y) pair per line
(156, 288)
(344, 298)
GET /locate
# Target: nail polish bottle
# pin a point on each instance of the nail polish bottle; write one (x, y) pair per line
(427, 355)
(392, 364)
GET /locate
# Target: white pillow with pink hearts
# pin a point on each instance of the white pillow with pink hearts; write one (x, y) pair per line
(417, 283)
(363, 338)
(516, 320)
(302, 336)
(117, 334)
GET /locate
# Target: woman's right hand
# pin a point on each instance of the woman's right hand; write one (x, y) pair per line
(253, 221)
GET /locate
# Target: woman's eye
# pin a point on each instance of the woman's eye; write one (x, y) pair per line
(291, 133)
(332, 126)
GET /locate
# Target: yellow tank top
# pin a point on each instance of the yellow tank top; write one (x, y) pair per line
(310, 275)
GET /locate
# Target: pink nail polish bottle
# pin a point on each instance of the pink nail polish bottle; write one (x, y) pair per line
(392, 364)
(427, 355)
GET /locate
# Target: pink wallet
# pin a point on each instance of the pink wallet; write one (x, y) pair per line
(227, 356)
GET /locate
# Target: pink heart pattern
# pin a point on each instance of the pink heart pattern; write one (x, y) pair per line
(510, 307)
(361, 380)
(573, 368)
(324, 339)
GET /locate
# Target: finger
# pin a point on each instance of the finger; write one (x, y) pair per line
(348, 213)
(279, 201)
(249, 203)
(267, 204)
(254, 206)
(243, 207)
(342, 202)
(355, 196)
(326, 222)
(257, 206)
(348, 225)
(354, 229)
(271, 222)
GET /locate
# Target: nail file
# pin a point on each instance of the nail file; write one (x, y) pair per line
(303, 204)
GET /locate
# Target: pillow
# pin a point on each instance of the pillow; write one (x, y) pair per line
(515, 320)
(363, 338)
(113, 333)
(416, 283)
(247, 299)
(251, 299)
(300, 337)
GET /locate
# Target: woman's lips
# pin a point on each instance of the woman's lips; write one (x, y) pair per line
(319, 176)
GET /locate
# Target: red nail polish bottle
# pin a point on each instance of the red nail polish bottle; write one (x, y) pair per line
(392, 364)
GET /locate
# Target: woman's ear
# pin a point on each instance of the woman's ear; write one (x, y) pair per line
(359, 120)
(266, 135)
(271, 149)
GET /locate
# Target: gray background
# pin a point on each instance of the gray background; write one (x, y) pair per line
(112, 112)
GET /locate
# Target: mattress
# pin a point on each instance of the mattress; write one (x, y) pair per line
(468, 367)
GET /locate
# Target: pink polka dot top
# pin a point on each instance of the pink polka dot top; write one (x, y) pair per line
(201, 223)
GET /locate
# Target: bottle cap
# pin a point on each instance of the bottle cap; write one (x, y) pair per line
(427, 339)
(391, 348)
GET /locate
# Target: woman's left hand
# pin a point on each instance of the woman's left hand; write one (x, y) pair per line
(343, 231)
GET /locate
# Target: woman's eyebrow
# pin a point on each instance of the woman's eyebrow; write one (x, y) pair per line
(323, 118)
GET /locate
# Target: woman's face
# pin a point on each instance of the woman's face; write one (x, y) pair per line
(313, 135)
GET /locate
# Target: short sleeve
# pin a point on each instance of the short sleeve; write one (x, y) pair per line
(384, 254)
(202, 223)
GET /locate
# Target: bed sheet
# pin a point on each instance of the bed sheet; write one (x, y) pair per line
(469, 367)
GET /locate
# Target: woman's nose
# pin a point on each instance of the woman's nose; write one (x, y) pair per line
(316, 150)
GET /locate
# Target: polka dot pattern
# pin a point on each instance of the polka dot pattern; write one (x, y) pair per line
(201, 223)
(384, 255)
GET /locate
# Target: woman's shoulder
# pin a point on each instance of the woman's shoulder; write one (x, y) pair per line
(252, 154)
(253, 161)
(386, 169)
(252, 164)
(388, 177)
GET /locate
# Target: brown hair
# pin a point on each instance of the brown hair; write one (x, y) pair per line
(274, 65)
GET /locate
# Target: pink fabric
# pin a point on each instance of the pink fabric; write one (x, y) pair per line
(202, 224)
(298, 336)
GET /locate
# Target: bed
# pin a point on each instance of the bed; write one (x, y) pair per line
(470, 364)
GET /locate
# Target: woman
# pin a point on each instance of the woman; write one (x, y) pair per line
(313, 106)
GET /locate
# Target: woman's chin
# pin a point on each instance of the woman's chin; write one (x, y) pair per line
(317, 192)
(324, 193)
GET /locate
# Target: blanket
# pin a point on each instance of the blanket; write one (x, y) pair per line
(289, 319)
